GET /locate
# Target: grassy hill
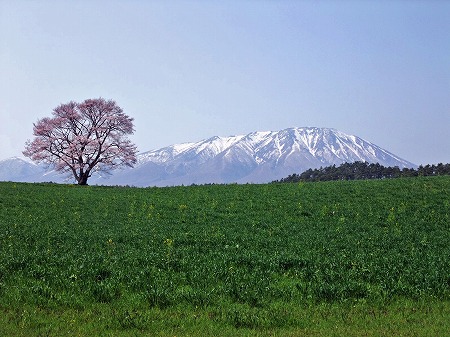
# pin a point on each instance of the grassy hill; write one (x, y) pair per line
(344, 258)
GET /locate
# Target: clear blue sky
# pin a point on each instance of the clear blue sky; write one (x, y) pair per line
(188, 70)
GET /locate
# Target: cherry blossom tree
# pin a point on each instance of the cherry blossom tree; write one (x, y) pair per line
(83, 138)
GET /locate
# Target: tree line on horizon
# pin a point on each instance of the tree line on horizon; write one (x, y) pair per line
(363, 170)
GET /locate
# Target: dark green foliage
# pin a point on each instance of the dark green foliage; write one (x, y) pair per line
(359, 170)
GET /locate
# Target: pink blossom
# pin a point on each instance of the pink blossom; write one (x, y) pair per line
(82, 138)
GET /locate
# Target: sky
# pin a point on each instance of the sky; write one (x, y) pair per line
(190, 70)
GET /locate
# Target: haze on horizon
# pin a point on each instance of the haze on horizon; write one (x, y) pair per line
(189, 70)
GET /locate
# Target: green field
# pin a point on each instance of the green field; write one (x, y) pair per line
(361, 258)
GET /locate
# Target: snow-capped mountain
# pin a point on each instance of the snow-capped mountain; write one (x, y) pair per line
(17, 167)
(254, 158)
(23, 170)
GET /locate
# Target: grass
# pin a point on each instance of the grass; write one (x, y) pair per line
(362, 258)
(404, 318)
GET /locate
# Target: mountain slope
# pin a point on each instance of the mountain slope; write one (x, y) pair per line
(16, 167)
(22, 170)
(254, 158)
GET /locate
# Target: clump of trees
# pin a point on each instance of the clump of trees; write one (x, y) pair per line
(363, 170)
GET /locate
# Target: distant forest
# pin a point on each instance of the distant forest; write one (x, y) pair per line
(363, 170)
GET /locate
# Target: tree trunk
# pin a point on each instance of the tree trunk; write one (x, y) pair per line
(83, 179)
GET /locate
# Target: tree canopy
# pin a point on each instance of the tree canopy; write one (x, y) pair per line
(83, 138)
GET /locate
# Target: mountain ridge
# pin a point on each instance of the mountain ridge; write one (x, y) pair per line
(257, 157)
